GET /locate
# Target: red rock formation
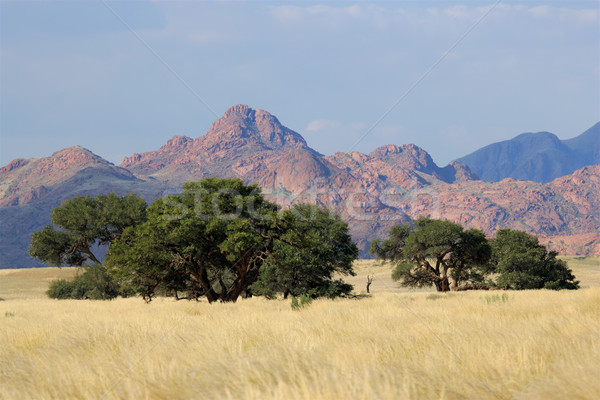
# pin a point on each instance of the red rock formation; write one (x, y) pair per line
(23, 181)
(371, 191)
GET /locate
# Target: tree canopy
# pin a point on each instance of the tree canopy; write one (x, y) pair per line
(209, 241)
(314, 245)
(82, 224)
(433, 252)
(521, 262)
(222, 239)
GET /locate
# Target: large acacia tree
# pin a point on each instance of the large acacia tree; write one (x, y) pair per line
(314, 245)
(435, 252)
(209, 241)
(83, 225)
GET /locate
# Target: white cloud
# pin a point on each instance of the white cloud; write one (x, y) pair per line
(319, 125)
(385, 17)
(578, 16)
(540, 11)
(286, 13)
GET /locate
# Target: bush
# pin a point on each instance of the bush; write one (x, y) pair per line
(521, 263)
(337, 288)
(95, 284)
(60, 289)
(305, 300)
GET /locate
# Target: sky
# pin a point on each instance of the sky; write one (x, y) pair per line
(123, 77)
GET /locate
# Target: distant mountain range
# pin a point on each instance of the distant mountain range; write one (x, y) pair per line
(538, 157)
(393, 184)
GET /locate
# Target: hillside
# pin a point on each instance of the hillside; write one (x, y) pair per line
(374, 191)
(29, 189)
(539, 157)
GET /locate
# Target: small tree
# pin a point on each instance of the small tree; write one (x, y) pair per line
(521, 262)
(433, 252)
(81, 224)
(315, 245)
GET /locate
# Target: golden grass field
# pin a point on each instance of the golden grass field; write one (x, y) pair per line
(394, 344)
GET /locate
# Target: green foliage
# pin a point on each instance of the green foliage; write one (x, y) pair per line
(436, 296)
(521, 262)
(495, 298)
(61, 289)
(82, 223)
(209, 241)
(220, 236)
(433, 252)
(295, 304)
(314, 245)
(95, 284)
(304, 301)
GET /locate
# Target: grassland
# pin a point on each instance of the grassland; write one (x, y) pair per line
(393, 344)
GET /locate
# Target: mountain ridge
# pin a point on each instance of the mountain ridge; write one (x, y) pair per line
(535, 156)
(372, 192)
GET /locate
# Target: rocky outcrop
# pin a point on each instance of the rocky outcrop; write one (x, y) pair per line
(24, 181)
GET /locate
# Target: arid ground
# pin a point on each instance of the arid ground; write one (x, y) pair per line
(394, 343)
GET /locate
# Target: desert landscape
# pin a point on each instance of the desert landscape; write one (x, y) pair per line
(299, 200)
(393, 343)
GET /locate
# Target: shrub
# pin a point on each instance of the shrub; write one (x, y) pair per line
(95, 284)
(60, 289)
(521, 263)
(304, 301)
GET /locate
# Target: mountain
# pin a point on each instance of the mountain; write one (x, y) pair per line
(31, 188)
(242, 137)
(538, 157)
(392, 184)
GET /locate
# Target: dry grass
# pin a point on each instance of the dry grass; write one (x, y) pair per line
(586, 269)
(530, 344)
(28, 283)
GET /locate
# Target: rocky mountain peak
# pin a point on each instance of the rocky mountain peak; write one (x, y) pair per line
(76, 153)
(71, 158)
(238, 111)
(24, 181)
(242, 125)
(406, 155)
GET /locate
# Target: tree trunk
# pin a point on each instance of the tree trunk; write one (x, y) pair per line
(442, 285)
(454, 285)
(445, 284)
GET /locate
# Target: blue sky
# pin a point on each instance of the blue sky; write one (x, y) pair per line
(448, 76)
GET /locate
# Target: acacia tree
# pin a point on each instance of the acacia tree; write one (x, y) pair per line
(81, 224)
(521, 262)
(314, 245)
(209, 241)
(434, 251)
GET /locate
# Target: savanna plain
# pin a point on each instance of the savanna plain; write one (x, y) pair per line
(390, 344)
